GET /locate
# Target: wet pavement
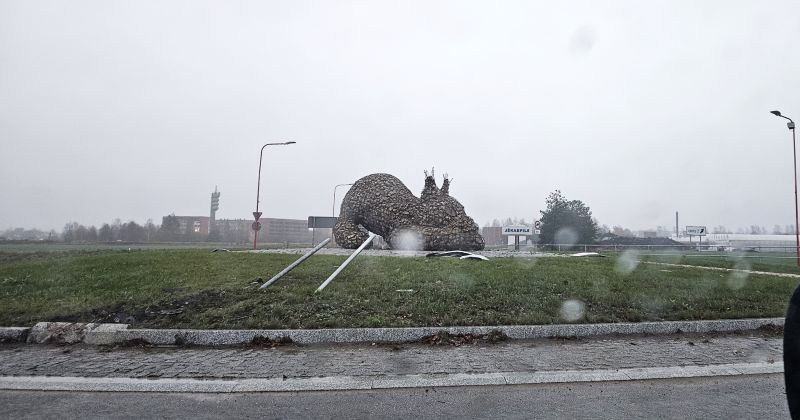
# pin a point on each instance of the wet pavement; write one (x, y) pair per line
(295, 361)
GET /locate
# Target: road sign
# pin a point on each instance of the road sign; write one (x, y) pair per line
(256, 226)
(696, 230)
(538, 231)
(257, 215)
(321, 222)
(517, 230)
(537, 225)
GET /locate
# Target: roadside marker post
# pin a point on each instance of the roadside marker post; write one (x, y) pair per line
(346, 262)
(295, 264)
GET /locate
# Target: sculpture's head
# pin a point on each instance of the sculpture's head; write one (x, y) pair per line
(444, 224)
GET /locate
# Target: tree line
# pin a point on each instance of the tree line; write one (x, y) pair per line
(571, 221)
(113, 232)
(170, 230)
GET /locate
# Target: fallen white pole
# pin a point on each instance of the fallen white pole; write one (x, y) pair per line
(295, 264)
(347, 261)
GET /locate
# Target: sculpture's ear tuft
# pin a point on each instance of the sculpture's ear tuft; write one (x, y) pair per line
(430, 185)
(446, 185)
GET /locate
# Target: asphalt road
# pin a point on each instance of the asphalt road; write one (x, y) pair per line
(749, 396)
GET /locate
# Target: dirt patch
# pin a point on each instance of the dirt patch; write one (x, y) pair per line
(136, 342)
(443, 338)
(262, 342)
(8, 257)
(771, 329)
(156, 314)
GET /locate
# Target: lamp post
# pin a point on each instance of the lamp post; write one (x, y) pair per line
(790, 124)
(257, 214)
(333, 206)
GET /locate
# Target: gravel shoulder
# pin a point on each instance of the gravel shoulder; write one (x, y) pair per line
(294, 361)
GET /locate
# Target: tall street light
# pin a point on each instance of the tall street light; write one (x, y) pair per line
(257, 214)
(333, 207)
(790, 124)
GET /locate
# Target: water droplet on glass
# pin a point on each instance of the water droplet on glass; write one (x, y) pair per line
(572, 310)
(462, 280)
(738, 279)
(627, 261)
(566, 236)
(408, 240)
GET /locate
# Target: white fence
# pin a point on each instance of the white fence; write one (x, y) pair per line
(791, 249)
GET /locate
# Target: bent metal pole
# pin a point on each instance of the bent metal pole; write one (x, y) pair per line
(796, 216)
(347, 261)
(295, 264)
(257, 214)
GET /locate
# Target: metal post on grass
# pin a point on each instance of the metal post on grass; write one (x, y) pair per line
(333, 206)
(346, 262)
(295, 264)
(790, 124)
(257, 214)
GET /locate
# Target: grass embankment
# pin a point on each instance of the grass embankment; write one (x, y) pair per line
(200, 289)
(771, 262)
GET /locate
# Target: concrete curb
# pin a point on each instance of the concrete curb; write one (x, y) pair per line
(13, 334)
(52, 383)
(107, 334)
(68, 332)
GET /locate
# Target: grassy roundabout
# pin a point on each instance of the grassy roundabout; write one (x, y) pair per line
(200, 289)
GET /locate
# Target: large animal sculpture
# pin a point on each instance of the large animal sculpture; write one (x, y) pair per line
(382, 204)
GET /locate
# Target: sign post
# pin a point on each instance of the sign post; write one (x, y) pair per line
(517, 231)
(537, 230)
(256, 227)
(321, 222)
(699, 231)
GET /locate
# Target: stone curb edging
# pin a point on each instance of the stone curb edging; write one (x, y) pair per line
(53, 383)
(13, 334)
(109, 334)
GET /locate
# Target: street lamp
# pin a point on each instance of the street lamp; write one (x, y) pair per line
(790, 124)
(257, 214)
(333, 207)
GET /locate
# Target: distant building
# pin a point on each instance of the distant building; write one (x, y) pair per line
(493, 236)
(193, 225)
(234, 230)
(735, 241)
(286, 230)
(273, 230)
(208, 228)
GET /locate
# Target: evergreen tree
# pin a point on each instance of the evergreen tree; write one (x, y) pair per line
(572, 214)
(105, 234)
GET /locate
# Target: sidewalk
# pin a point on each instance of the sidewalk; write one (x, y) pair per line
(362, 364)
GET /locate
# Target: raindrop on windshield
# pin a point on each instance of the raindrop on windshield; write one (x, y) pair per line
(572, 310)
(627, 261)
(738, 279)
(408, 241)
(566, 236)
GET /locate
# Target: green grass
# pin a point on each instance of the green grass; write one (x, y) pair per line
(772, 262)
(200, 289)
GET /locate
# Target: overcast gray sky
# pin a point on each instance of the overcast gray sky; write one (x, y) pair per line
(138, 109)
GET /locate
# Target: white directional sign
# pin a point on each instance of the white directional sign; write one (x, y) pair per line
(517, 230)
(696, 230)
